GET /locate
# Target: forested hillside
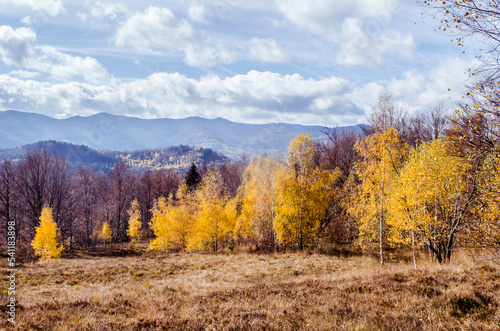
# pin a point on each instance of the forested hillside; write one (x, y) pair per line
(178, 158)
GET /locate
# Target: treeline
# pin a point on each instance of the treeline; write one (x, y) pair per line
(426, 183)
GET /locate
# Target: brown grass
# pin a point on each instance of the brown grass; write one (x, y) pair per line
(89, 291)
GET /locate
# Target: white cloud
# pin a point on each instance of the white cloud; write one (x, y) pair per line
(424, 88)
(253, 97)
(197, 13)
(358, 48)
(417, 90)
(267, 50)
(24, 74)
(16, 46)
(154, 30)
(66, 67)
(158, 31)
(97, 11)
(359, 28)
(51, 7)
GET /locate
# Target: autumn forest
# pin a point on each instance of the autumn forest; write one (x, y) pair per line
(394, 227)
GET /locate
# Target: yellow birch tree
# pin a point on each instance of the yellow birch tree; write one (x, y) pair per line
(215, 218)
(106, 233)
(302, 195)
(381, 157)
(45, 243)
(256, 220)
(134, 223)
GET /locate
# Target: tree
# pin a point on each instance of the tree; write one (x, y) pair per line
(386, 114)
(9, 200)
(34, 172)
(45, 243)
(172, 221)
(106, 235)
(87, 188)
(381, 157)
(160, 225)
(302, 195)
(122, 183)
(215, 217)
(232, 175)
(485, 228)
(339, 152)
(134, 223)
(257, 198)
(182, 218)
(476, 19)
(193, 177)
(433, 199)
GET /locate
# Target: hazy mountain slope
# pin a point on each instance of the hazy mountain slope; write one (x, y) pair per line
(176, 157)
(111, 132)
(77, 155)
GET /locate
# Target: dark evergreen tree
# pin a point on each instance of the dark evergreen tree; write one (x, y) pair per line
(193, 177)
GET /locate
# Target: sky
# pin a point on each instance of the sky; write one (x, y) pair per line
(315, 62)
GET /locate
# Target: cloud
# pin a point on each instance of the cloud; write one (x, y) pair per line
(157, 31)
(254, 97)
(16, 46)
(51, 7)
(267, 50)
(197, 13)
(417, 90)
(96, 11)
(356, 47)
(67, 67)
(154, 30)
(358, 28)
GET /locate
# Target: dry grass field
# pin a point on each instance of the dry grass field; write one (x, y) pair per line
(293, 291)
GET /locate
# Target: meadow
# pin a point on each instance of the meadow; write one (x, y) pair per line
(112, 288)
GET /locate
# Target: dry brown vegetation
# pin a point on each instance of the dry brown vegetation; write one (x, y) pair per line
(106, 289)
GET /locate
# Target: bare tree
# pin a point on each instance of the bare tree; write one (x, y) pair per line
(9, 200)
(34, 176)
(87, 190)
(477, 19)
(122, 182)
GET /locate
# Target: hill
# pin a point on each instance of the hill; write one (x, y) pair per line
(120, 133)
(176, 157)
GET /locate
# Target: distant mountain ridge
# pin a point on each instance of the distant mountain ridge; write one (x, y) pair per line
(120, 133)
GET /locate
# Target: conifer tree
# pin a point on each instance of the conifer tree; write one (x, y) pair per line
(193, 177)
(45, 242)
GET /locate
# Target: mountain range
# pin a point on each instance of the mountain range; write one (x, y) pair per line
(105, 131)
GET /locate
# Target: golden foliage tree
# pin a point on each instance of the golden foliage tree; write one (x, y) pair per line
(256, 220)
(134, 223)
(215, 217)
(106, 235)
(172, 220)
(45, 243)
(485, 229)
(302, 195)
(160, 225)
(432, 198)
(381, 157)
